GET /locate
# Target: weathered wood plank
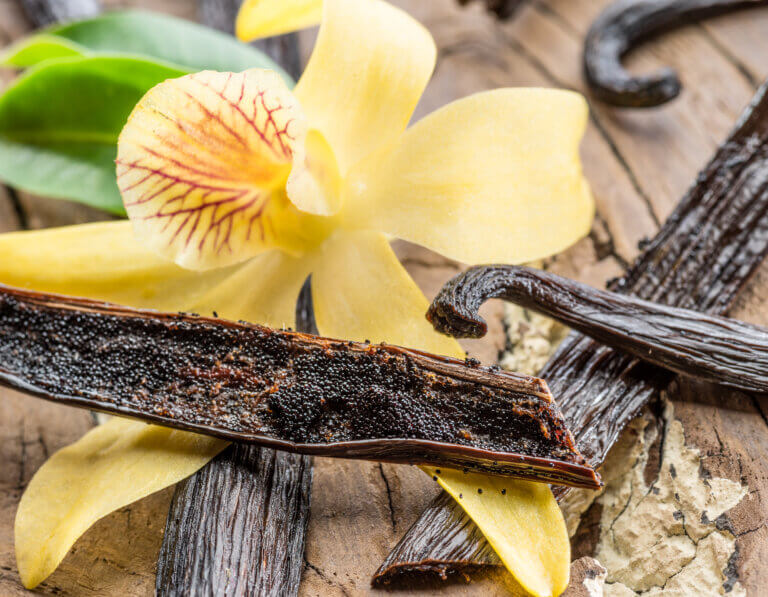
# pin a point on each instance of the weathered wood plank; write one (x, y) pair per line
(687, 138)
(628, 163)
(9, 214)
(741, 38)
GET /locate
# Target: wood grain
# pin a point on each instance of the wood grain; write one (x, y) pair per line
(638, 164)
(704, 254)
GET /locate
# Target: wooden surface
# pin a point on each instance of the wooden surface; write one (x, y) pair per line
(639, 164)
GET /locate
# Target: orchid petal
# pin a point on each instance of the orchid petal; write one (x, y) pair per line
(111, 466)
(124, 460)
(265, 18)
(264, 290)
(315, 183)
(368, 70)
(522, 522)
(494, 177)
(100, 261)
(202, 164)
(362, 292)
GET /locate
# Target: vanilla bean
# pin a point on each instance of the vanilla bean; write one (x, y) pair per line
(626, 23)
(709, 347)
(237, 527)
(257, 490)
(702, 257)
(285, 390)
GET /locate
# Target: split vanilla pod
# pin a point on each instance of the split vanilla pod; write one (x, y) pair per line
(286, 390)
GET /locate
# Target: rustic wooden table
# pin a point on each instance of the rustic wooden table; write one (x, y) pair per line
(687, 501)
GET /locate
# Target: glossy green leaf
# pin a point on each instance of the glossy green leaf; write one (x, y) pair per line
(37, 48)
(59, 124)
(186, 44)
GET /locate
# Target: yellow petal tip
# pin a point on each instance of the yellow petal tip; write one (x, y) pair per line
(264, 18)
(112, 466)
(521, 521)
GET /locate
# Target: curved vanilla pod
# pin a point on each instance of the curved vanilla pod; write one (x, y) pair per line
(710, 347)
(286, 390)
(702, 258)
(626, 23)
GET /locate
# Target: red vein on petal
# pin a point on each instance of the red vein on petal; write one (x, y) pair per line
(242, 90)
(203, 207)
(271, 120)
(206, 180)
(215, 117)
(182, 164)
(135, 184)
(187, 131)
(180, 180)
(249, 120)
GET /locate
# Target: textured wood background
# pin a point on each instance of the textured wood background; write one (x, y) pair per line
(639, 164)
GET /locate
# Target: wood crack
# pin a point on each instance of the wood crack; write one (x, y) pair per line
(729, 57)
(652, 486)
(605, 249)
(542, 69)
(469, 46)
(389, 497)
(548, 12)
(430, 264)
(22, 457)
(18, 207)
(633, 179)
(325, 577)
(759, 408)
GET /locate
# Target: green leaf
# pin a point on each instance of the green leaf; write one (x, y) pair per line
(33, 50)
(149, 34)
(59, 124)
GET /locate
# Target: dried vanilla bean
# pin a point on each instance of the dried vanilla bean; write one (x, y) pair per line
(624, 24)
(285, 390)
(250, 540)
(702, 257)
(237, 526)
(709, 347)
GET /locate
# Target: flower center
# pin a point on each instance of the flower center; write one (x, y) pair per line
(204, 162)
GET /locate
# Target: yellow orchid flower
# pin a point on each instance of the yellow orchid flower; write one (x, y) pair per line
(237, 189)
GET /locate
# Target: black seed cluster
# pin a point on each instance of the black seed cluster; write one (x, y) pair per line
(254, 380)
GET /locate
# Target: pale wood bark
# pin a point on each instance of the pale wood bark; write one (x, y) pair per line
(47, 12)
